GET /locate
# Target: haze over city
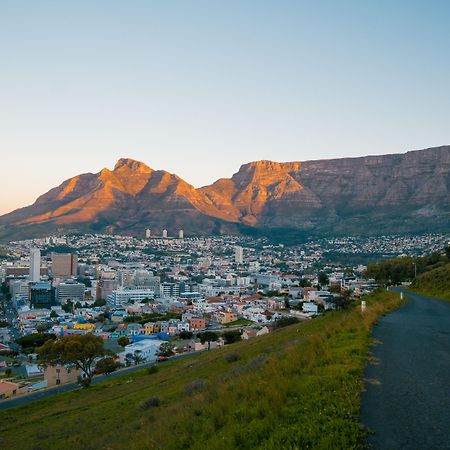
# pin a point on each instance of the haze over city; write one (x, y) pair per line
(212, 85)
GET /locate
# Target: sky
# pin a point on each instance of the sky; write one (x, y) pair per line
(200, 87)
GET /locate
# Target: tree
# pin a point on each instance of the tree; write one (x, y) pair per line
(68, 306)
(123, 341)
(100, 302)
(106, 365)
(53, 314)
(447, 251)
(186, 334)
(82, 350)
(165, 349)
(285, 321)
(232, 336)
(35, 340)
(137, 357)
(78, 305)
(322, 279)
(304, 283)
(208, 336)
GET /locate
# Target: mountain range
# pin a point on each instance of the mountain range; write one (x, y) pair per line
(371, 195)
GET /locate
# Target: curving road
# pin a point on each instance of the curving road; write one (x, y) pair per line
(406, 403)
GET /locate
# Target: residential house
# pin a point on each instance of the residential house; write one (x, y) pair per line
(8, 389)
(56, 375)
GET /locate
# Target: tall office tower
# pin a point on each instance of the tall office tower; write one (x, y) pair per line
(64, 265)
(35, 265)
(181, 234)
(164, 235)
(238, 255)
(148, 233)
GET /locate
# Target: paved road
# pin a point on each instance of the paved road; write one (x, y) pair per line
(410, 406)
(39, 395)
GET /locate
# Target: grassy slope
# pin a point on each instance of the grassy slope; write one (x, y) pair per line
(435, 283)
(296, 388)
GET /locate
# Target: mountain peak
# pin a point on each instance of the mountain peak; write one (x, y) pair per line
(132, 164)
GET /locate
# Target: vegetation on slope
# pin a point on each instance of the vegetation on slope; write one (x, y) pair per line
(397, 270)
(298, 387)
(435, 283)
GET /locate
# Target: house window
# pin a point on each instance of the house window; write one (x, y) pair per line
(58, 381)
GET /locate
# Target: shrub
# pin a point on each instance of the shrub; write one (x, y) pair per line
(285, 321)
(232, 336)
(232, 357)
(195, 386)
(151, 402)
(152, 369)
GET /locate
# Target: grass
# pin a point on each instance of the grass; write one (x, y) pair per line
(239, 322)
(434, 283)
(298, 387)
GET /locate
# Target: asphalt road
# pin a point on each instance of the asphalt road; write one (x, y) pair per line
(406, 404)
(39, 395)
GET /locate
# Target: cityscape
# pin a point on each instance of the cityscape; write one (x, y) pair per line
(185, 286)
(225, 225)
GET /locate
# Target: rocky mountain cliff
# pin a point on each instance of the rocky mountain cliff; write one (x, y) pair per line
(368, 195)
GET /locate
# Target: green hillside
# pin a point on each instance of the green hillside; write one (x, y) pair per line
(295, 388)
(435, 283)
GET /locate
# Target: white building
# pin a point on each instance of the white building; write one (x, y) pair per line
(164, 234)
(70, 290)
(238, 255)
(145, 348)
(35, 265)
(121, 297)
(148, 233)
(181, 234)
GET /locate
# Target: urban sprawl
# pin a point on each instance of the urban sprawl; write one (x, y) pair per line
(158, 296)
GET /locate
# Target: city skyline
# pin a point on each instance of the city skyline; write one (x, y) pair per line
(198, 88)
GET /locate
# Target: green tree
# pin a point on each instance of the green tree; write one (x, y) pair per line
(447, 251)
(31, 341)
(123, 341)
(166, 349)
(323, 279)
(208, 336)
(82, 350)
(53, 314)
(304, 282)
(106, 365)
(232, 336)
(186, 334)
(285, 321)
(100, 302)
(68, 306)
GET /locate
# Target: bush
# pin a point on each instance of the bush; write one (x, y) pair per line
(195, 386)
(232, 336)
(151, 402)
(152, 369)
(232, 357)
(285, 321)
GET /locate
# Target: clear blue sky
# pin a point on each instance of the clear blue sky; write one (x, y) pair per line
(200, 87)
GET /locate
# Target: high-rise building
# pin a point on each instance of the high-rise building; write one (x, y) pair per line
(70, 290)
(181, 234)
(64, 265)
(164, 234)
(148, 233)
(35, 265)
(238, 255)
(42, 295)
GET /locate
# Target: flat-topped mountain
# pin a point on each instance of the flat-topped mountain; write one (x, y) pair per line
(367, 195)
